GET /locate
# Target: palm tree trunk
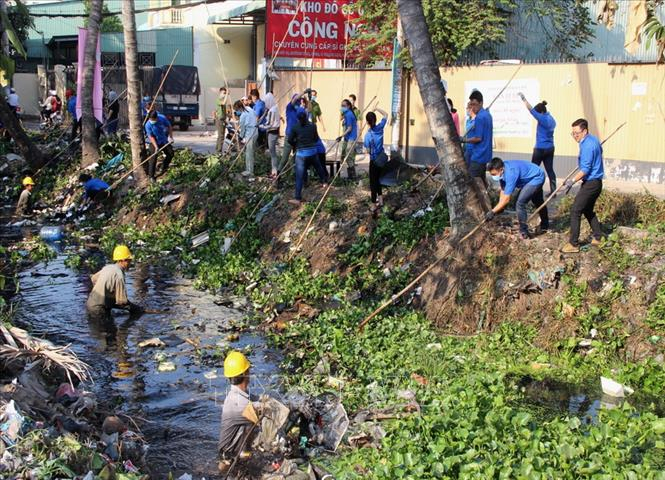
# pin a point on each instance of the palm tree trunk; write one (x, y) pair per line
(465, 200)
(88, 130)
(33, 156)
(133, 92)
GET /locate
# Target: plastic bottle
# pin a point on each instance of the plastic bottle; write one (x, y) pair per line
(51, 233)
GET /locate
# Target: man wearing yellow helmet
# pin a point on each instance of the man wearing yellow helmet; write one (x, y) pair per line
(239, 413)
(24, 206)
(108, 286)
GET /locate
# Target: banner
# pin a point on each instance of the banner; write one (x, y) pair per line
(511, 119)
(97, 107)
(309, 28)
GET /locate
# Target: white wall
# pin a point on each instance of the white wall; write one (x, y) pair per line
(27, 88)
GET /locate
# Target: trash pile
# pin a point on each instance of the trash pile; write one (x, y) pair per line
(50, 427)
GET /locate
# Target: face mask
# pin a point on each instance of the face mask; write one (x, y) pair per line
(496, 178)
(344, 109)
(154, 122)
(238, 113)
(313, 98)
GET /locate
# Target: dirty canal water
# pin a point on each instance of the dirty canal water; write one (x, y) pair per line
(181, 407)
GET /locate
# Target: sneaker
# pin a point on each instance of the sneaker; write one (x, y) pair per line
(540, 230)
(524, 235)
(570, 248)
(295, 201)
(595, 242)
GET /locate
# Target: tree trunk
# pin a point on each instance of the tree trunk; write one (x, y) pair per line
(465, 201)
(33, 156)
(88, 127)
(133, 92)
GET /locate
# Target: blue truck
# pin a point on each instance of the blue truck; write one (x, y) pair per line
(178, 98)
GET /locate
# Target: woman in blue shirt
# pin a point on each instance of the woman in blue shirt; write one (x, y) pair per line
(543, 152)
(374, 146)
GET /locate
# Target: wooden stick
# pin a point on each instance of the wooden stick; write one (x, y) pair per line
(392, 300)
(323, 197)
(117, 182)
(429, 174)
(553, 194)
(168, 70)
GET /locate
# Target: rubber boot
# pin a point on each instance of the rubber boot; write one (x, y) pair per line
(351, 173)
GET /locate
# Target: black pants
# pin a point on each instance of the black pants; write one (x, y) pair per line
(546, 157)
(76, 128)
(375, 174)
(152, 163)
(584, 203)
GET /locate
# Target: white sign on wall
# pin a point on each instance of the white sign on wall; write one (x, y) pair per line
(511, 119)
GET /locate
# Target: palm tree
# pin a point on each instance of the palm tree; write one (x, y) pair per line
(89, 130)
(133, 92)
(465, 200)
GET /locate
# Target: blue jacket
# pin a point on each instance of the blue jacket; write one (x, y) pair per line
(590, 160)
(518, 173)
(259, 109)
(350, 120)
(71, 106)
(93, 186)
(545, 129)
(374, 139)
(159, 130)
(482, 127)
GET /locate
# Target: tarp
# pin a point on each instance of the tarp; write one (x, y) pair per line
(181, 80)
(97, 78)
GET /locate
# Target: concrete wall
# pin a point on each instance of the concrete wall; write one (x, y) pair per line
(27, 88)
(605, 94)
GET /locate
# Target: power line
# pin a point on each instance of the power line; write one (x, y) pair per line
(116, 13)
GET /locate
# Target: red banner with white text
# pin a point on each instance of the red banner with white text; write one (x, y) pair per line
(309, 28)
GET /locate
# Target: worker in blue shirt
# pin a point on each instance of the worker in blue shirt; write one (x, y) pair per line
(591, 172)
(529, 179)
(543, 152)
(349, 137)
(377, 156)
(158, 132)
(71, 108)
(94, 189)
(291, 114)
(479, 137)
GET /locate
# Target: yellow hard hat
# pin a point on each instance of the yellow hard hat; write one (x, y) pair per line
(28, 181)
(121, 252)
(235, 364)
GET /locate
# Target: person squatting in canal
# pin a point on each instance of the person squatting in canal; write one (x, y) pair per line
(239, 413)
(108, 286)
(24, 205)
(523, 175)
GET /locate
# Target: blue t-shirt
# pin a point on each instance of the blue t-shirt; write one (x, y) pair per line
(482, 128)
(545, 129)
(291, 117)
(71, 106)
(590, 160)
(518, 173)
(259, 109)
(320, 147)
(159, 130)
(350, 120)
(374, 139)
(93, 186)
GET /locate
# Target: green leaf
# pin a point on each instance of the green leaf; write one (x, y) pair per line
(11, 35)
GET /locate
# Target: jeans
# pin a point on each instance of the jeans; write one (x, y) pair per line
(585, 201)
(286, 153)
(111, 127)
(533, 194)
(546, 157)
(302, 164)
(250, 146)
(273, 137)
(346, 146)
(221, 133)
(375, 173)
(152, 163)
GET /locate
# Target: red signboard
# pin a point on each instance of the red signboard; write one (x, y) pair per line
(309, 28)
